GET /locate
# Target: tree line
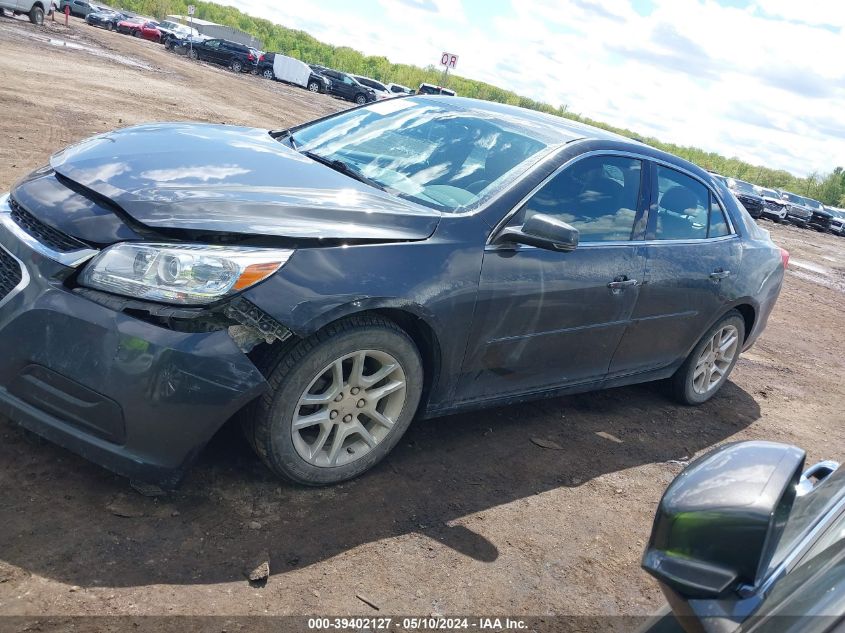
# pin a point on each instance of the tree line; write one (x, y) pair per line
(828, 188)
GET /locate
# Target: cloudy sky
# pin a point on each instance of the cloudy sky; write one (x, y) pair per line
(763, 80)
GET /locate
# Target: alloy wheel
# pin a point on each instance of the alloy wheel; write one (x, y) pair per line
(349, 408)
(715, 359)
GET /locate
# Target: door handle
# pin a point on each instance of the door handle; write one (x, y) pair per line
(719, 274)
(622, 282)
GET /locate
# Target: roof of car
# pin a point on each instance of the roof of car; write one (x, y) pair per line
(556, 129)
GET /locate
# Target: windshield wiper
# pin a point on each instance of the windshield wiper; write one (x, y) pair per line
(281, 135)
(343, 168)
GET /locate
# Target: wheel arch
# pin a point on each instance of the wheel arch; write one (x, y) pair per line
(417, 322)
(749, 315)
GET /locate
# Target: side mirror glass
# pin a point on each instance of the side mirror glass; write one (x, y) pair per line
(720, 521)
(542, 231)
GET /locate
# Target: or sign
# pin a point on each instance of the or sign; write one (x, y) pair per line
(191, 9)
(448, 60)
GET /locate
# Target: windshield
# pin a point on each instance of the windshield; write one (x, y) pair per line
(793, 198)
(813, 204)
(444, 157)
(771, 193)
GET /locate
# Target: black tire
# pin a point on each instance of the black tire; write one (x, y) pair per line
(109, 26)
(236, 65)
(168, 44)
(681, 383)
(360, 99)
(314, 86)
(268, 424)
(267, 73)
(36, 15)
(136, 33)
(192, 53)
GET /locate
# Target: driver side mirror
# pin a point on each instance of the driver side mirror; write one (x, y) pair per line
(542, 231)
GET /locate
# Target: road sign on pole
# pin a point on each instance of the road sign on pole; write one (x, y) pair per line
(191, 9)
(449, 60)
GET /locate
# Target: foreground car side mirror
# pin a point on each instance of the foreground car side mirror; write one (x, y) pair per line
(542, 231)
(720, 521)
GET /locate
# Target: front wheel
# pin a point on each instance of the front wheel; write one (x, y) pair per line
(192, 53)
(136, 33)
(109, 26)
(36, 15)
(360, 99)
(339, 402)
(314, 86)
(711, 361)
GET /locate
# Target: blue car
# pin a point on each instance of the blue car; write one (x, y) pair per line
(326, 284)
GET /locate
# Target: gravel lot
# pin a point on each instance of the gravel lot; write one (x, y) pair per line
(467, 516)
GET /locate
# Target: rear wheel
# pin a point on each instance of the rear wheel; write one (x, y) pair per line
(109, 26)
(136, 33)
(711, 361)
(268, 73)
(236, 65)
(339, 402)
(192, 53)
(36, 15)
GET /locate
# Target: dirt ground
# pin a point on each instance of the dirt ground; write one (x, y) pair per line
(467, 516)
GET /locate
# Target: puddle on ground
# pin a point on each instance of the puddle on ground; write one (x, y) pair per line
(91, 50)
(799, 263)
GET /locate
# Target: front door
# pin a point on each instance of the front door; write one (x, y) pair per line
(692, 263)
(545, 318)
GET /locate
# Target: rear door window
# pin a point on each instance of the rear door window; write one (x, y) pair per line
(683, 206)
(718, 224)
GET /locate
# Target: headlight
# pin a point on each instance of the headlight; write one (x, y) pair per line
(191, 274)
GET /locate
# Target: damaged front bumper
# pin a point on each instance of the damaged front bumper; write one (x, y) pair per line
(132, 395)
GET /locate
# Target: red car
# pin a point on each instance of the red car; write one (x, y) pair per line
(140, 28)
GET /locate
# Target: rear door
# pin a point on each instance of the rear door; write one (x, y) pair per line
(693, 257)
(546, 319)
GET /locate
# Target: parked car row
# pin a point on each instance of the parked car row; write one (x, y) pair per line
(780, 206)
(242, 58)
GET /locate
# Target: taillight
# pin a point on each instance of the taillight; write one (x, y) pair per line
(784, 256)
(261, 59)
(250, 57)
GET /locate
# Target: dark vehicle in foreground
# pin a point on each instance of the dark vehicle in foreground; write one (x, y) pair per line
(328, 283)
(774, 207)
(105, 19)
(345, 86)
(237, 57)
(798, 209)
(744, 541)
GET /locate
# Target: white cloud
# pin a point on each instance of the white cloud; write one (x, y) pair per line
(764, 82)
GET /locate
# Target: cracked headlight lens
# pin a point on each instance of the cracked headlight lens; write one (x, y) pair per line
(186, 274)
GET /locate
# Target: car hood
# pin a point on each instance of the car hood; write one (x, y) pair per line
(225, 179)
